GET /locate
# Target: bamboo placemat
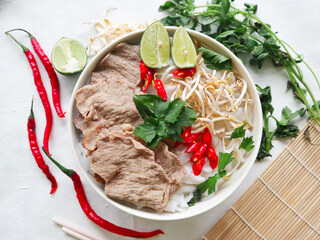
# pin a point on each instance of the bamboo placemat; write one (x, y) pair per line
(284, 202)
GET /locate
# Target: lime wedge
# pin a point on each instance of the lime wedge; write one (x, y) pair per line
(155, 46)
(183, 52)
(69, 56)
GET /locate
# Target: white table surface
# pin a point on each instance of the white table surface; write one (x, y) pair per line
(26, 208)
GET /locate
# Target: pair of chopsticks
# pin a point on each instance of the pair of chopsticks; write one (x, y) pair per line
(74, 231)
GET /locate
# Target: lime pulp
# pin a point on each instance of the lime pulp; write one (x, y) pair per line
(69, 56)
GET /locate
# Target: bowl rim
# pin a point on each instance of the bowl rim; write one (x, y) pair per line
(153, 215)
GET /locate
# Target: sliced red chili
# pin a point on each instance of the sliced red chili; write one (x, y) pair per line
(199, 153)
(186, 72)
(77, 184)
(193, 147)
(161, 91)
(143, 70)
(188, 137)
(206, 137)
(198, 165)
(212, 157)
(146, 74)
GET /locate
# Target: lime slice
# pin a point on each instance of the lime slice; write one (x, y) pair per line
(69, 56)
(183, 52)
(155, 46)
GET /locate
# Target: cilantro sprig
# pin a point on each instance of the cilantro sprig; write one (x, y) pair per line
(284, 127)
(162, 119)
(224, 159)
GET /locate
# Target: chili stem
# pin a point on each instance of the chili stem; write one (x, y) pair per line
(24, 48)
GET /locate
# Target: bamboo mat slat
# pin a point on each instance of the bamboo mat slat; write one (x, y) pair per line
(284, 202)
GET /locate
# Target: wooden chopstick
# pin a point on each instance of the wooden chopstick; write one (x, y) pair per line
(74, 231)
(75, 234)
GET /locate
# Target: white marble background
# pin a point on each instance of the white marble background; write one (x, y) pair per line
(26, 208)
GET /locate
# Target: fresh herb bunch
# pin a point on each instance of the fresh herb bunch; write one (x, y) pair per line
(284, 128)
(249, 35)
(162, 119)
(224, 159)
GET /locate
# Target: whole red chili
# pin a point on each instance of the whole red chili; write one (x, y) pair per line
(186, 72)
(36, 151)
(146, 74)
(77, 184)
(161, 91)
(41, 90)
(199, 153)
(212, 157)
(50, 70)
(198, 165)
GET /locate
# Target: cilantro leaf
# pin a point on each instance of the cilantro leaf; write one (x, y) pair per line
(210, 183)
(239, 132)
(215, 60)
(174, 109)
(162, 119)
(287, 115)
(144, 104)
(289, 130)
(197, 195)
(224, 160)
(247, 144)
(186, 118)
(146, 130)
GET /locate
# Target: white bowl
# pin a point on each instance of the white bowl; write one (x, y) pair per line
(199, 207)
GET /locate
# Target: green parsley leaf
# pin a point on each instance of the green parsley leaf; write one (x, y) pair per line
(284, 131)
(186, 118)
(210, 183)
(215, 60)
(197, 195)
(144, 104)
(287, 115)
(247, 144)
(174, 109)
(147, 130)
(224, 160)
(239, 132)
(162, 119)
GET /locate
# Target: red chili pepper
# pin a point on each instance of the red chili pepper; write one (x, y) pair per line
(161, 91)
(36, 151)
(206, 137)
(50, 70)
(41, 90)
(193, 148)
(212, 157)
(199, 153)
(91, 213)
(146, 74)
(198, 165)
(186, 72)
